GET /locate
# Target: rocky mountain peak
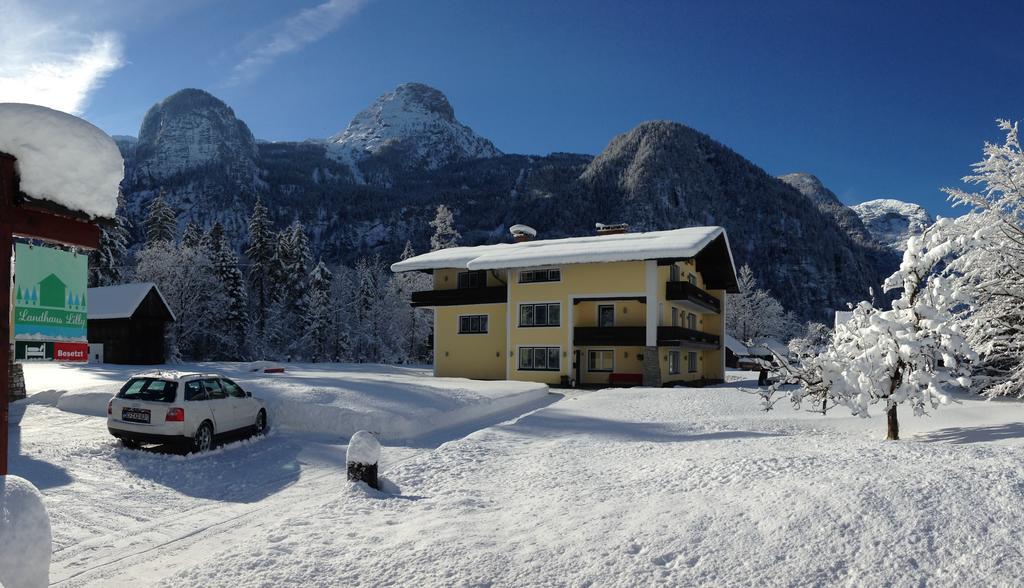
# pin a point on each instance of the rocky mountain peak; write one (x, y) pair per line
(809, 185)
(892, 222)
(413, 126)
(191, 129)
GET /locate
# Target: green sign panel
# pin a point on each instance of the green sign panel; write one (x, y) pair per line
(49, 294)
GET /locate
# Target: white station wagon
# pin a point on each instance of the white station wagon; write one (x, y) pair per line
(180, 408)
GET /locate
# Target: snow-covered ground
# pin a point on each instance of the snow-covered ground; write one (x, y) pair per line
(613, 487)
(397, 402)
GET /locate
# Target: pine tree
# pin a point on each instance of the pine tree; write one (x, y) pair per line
(445, 235)
(215, 238)
(317, 318)
(262, 257)
(161, 222)
(193, 236)
(107, 263)
(412, 325)
(235, 316)
(753, 312)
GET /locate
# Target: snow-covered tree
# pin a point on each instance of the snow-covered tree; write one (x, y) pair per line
(316, 340)
(412, 326)
(193, 236)
(908, 354)
(107, 264)
(753, 312)
(445, 235)
(371, 337)
(188, 281)
(812, 342)
(161, 222)
(262, 254)
(234, 318)
(992, 265)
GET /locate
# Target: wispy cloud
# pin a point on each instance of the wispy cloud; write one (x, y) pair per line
(308, 26)
(47, 62)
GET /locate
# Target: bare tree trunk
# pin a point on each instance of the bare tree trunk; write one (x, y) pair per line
(894, 425)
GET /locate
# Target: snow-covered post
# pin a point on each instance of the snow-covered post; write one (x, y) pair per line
(362, 457)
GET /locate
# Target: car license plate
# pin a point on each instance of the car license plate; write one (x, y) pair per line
(135, 415)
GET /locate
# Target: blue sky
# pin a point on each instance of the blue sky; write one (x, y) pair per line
(888, 99)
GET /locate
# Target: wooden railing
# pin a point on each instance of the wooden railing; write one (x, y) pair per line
(688, 292)
(460, 296)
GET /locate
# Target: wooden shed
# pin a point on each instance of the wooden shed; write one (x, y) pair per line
(130, 322)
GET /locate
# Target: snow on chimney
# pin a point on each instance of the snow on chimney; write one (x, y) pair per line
(522, 233)
(615, 229)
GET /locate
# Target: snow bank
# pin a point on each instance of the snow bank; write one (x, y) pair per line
(62, 158)
(24, 535)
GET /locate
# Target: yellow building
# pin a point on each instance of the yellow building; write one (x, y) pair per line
(614, 308)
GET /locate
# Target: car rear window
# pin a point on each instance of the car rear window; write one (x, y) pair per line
(151, 389)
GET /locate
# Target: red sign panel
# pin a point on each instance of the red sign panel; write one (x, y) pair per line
(70, 352)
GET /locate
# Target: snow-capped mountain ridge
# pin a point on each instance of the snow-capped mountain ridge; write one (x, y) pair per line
(418, 124)
(810, 186)
(892, 221)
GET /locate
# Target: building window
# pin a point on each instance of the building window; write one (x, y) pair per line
(691, 321)
(606, 315)
(476, 279)
(472, 324)
(675, 317)
(601, 360)
(693, 279)
(691, 361)
(540, 275)
(540, 315)
(673, 362)
(673, 273)
(545, 359)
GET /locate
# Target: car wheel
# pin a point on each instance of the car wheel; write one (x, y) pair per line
(261, 422)
(130, 444)
(203, 439)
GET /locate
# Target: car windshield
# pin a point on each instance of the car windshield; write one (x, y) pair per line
(151, 389)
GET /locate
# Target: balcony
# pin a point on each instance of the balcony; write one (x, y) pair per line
(460, 296)
(637, 336)
(681, 336)
(692, 298)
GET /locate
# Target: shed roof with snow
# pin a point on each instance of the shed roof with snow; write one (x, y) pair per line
(122, 301)
(732, 344)
(708, 245)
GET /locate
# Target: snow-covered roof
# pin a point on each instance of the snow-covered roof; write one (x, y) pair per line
(62, 158)
(735, 346)
(118, 302)
(766, 345)
(675, 243)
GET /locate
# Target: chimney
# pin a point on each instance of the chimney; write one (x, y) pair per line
(521, 233)
(613, 229)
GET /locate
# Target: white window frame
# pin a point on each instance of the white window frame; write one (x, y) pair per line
(615, 311)
(469, 274)
(692, 318)
(519, 357)
(590, 363)
(519, 314)
(692, 362)
(458, 324)
(674, 365)
(519, 276)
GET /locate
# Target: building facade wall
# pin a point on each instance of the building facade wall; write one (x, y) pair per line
(478, 355)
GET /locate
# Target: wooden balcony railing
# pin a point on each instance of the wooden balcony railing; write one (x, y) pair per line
(637, 336)
(687, 292)
(460, 296)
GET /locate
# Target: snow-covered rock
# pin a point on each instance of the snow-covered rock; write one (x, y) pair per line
(25, 539)
(192, 129)
(892, 222)
(417, 123)
(62, 158)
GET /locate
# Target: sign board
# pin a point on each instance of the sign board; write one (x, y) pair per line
(50, 288)
(58, 351)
